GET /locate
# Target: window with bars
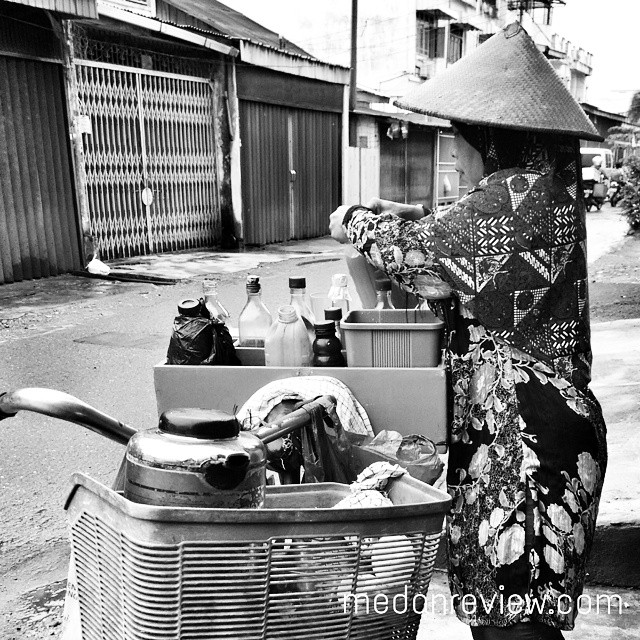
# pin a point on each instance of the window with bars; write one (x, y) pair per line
(456, 44)
(427, 36)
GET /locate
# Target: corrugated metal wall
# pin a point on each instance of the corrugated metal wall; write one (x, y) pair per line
(317, 162)
(39, 234)
(407, 166)
(277, 140)
(265, 172)
(79, 8)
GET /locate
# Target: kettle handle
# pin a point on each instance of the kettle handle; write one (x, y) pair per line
(58, 404)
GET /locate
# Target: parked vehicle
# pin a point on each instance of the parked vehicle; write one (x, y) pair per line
(588, 154)
(595, 193)
(614, 194)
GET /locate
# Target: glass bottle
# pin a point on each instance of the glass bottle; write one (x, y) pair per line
(254, 320)
(300, 302)
(215, 308)
(335, 315)
(339, 295)
(287, 342)
(383, 294)
(327, 349)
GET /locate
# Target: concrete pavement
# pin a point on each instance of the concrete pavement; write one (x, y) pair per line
(605, 614)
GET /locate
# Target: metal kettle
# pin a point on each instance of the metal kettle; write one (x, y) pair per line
(196, 458)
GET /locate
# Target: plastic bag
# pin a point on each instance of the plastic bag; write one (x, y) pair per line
(416, 454)
(326, 450)
(201, 340)
(222, 350)
(98, 267)
(321, 450)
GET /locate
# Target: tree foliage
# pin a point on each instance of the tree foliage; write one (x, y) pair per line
(634, 109)
(630, 202)
(627, 134)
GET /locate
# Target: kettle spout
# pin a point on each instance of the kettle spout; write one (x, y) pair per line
(226, 473)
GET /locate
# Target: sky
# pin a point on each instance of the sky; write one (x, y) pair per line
(610, 30)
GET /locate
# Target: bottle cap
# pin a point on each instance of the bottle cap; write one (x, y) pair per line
(189, 307)
(333, 313)
(383, 284)
(253, 284)
(297, 283)
(326, 328)
(339, 280)
(287, 314)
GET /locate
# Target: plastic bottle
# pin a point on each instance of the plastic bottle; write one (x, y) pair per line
(327, 349)
(215, 308)
(300, 302)
(339, 295)
(383, 294)
(254, 320)
(287, 342)
(363, 276)
(335, 315)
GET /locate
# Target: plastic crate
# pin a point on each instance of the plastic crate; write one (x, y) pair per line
(279, 572)
(392, 338)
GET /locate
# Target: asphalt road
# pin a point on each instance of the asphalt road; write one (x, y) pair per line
(100, 343)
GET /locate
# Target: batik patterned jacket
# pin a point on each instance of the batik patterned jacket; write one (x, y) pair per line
(527, 440)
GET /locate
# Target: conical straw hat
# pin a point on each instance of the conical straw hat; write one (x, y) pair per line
(505, 82)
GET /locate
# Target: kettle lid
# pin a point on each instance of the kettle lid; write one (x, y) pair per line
(205, 424)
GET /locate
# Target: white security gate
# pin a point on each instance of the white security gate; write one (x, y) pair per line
(150, 159)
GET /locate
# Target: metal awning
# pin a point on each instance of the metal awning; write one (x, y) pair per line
(75, 8)
(466, 25)
(406, 116)
(439, 14)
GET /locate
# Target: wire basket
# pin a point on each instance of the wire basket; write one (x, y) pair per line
(295, 569)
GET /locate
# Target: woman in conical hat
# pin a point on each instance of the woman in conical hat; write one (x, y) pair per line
(527, 441)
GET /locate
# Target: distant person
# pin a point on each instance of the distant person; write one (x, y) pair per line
(528, 450)
(596, 169)
(618, 173)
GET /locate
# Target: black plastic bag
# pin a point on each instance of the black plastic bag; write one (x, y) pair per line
(201, 340)
(320, 450)
(222, 350)
(326, 450)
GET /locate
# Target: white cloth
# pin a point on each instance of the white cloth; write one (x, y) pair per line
(305, 388)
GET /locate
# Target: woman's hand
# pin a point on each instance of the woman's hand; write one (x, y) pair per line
(404, 211)
(335, 224)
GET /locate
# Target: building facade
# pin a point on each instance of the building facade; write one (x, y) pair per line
(391, 153)
(160, 126)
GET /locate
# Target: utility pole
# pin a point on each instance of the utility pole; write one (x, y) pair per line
(523, 8)
(354, 55)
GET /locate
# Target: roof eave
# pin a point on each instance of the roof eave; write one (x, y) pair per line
(263, 55)
(170, 30)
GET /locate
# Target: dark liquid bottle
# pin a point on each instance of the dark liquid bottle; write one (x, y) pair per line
(327, 349)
